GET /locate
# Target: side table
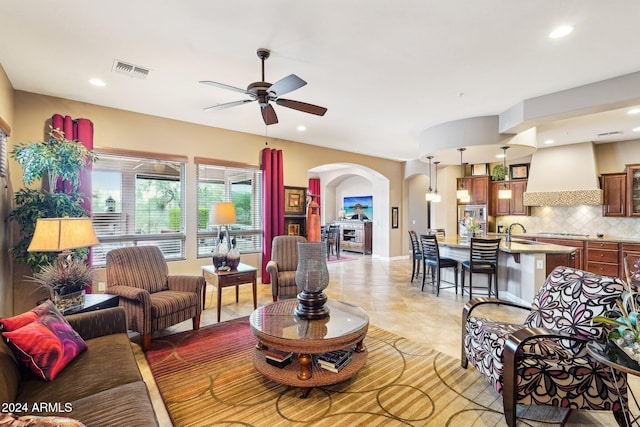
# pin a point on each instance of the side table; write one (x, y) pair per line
(93, 302)
(243, 274)
(613, 357)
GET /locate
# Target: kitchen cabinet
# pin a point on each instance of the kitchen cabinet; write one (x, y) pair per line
(514, 205)
(603, 258)
(478, 187)
(614, 194)
(633, 190)
(356, 236)
(578, 255)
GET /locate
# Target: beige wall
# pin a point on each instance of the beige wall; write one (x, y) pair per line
(6, 294)
(122, 129)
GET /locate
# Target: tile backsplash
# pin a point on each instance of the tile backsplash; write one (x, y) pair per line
(575, 219)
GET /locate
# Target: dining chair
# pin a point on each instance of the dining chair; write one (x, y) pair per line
(416, 254)
(332, 238)
(431, 258)
(483, 258)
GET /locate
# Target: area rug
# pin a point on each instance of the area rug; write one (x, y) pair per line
(343, 258)
(206, 377)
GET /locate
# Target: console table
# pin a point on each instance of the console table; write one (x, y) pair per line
(276, 326)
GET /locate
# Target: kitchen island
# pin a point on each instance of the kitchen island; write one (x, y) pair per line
(523, 265)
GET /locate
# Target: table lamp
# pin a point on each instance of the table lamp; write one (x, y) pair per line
(62, 235)
(223, 213)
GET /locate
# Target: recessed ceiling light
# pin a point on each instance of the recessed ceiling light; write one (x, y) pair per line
(301, 128)
(561, 31)
(500, 156)
(549, 141)
(97, 82)
(636, 129)
(634, 111)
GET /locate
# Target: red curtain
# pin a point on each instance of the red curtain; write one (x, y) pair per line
(80, 130)
(273, 203)
(314, 188)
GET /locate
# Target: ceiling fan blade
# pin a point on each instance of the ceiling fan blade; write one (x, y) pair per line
(302, 106)
(269, 115)
(227, 105)
(286, 85)
(223, 86)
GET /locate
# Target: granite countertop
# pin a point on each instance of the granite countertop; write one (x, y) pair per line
(573, 236)
(520, 246)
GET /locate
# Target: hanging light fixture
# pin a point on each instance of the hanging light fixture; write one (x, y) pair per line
(436, 197)
(505, 193)
(462, 192)
(429, 195)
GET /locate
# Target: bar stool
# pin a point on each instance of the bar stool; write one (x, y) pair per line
(483, 258)
(431, 257)
(416, 255)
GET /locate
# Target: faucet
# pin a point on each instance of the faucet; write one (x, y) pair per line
(524, 230)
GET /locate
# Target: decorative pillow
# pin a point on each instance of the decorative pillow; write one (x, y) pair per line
(16, 322)
(47, 344)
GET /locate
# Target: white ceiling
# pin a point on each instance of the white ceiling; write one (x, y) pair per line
(385, 70)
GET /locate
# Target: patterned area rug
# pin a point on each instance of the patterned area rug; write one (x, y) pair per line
(206, 377)
(343, 258)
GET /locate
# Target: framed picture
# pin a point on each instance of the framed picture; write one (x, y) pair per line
(394, 217)
(295, 200)
(358, 207)
(520, 171)
(480, 169)
(294, 226)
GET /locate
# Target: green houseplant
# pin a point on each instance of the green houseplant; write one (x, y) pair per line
(498, 173)
(56, 158)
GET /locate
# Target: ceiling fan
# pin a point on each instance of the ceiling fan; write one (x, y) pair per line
(264, 92)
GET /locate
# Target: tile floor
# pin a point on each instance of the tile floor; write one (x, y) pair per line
(384, 290)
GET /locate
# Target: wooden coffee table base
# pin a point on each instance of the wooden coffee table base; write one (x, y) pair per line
(306, 375)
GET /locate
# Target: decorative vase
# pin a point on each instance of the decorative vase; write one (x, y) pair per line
(313, 220)
(233, 257)
(220, 253)
(312, 278)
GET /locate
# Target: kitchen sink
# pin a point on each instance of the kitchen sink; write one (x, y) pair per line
(525, 242)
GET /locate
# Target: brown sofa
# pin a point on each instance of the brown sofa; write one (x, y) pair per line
(102, 386)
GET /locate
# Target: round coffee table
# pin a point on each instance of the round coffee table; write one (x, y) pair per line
(276, 326)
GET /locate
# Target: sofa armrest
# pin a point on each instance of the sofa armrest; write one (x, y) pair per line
(99, 323)
(272, 269)
(477, 302)
(186, 283)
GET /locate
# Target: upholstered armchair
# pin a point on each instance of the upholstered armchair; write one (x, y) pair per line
(153, 299)
(282, 266)
(544, 360)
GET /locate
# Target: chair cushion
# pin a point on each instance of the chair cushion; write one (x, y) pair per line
(165, 303)
(23, 319)
(570, 298)
(47, 344)
(139, 267)
(479, 267)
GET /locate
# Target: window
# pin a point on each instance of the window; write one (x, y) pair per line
(138, 199)
(240, 184)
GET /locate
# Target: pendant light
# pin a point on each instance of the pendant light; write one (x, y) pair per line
(436, 197)
(505, 193)
(462, 192)
(429, 195)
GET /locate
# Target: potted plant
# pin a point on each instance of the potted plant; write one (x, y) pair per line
(498, 173)
(65, 281)
(50, 161)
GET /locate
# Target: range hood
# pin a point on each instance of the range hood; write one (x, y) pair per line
(563, 176)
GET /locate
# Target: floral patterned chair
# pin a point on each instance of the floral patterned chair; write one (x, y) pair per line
(544, 361)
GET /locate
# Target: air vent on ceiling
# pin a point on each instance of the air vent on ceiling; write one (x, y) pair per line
(130, 70)
(605, 134)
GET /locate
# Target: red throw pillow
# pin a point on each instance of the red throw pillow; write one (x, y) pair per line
(47, 344)
(16, 322)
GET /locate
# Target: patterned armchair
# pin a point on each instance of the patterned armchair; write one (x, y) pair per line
(153, 300)
(544, 361)
(283, 264)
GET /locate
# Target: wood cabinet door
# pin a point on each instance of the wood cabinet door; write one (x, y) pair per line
(633, 190)
(517, 198)
(479, 190)
(614, 192)
(499, 207)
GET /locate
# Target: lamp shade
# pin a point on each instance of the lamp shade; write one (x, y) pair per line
(222, 213)
(61, 234)
(504, 194)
